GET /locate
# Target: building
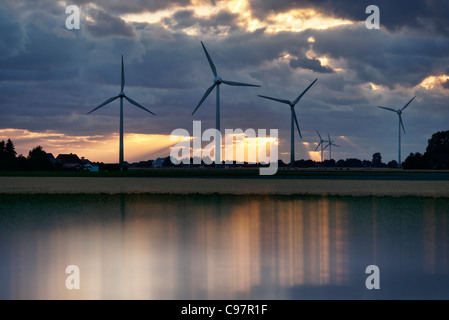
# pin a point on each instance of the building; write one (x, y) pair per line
(160, 162)
(69, 161)
(52, 158)
(91, 167)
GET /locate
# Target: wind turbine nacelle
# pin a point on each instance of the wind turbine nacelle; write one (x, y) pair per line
(121, 94)
(218, 80)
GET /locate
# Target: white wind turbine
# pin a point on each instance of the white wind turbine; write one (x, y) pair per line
(321, 144)
(294, 120)
(330, 144)
(217, 82)
(121, 95)
(401, 124)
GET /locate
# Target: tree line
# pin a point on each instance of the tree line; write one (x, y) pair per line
(36, 160)
(436, 155)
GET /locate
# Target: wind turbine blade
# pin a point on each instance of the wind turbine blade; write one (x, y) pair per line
(208, 91)
(296, 121)
(336, 145)
(402, 124)
(326, 146)
(123, 76)
(329, 137)
(138, 105)
(319, 135)
(408, 103)
(239, 84)
(389, 109)
(104, 103)
(300, 96)
(275, 99)
(211, 63)
(318, 145)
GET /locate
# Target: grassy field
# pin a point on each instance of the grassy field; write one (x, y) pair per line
(253, 173)
(234, 186)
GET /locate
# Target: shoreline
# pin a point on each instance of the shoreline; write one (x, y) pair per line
(242, 186)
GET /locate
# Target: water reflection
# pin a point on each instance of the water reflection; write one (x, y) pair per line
(222, 247)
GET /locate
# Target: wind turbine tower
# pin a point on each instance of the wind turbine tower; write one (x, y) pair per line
(401, 124)
(321, 144)
(294, 119)
(330, 144)
(216, 84)
(121, 95)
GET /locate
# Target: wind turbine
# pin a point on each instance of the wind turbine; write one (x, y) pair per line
(321, 144)
(217, 82)
(330, 144)
(121, 95)
(294, 119)
(401, 124)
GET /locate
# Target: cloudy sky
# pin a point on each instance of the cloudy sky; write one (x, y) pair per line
(50, 77)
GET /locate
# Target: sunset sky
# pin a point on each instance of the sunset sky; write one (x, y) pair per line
(50, 77)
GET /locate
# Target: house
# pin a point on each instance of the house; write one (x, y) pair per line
(84, 161)
(69, 161)
(65, 159)
(51, 157)
(159, 162)
(91, 167)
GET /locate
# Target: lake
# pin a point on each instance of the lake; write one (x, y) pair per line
(223, 247)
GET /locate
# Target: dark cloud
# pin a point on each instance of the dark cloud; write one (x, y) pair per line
(384, 58)
(133, 6)
(12, 36)
(310, 64)
(105, 25)
(420, 15)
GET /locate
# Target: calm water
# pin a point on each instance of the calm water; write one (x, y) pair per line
(223, 247)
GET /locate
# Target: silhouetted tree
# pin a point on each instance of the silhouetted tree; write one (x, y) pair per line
(367, 164)
(341, 163)
(10, 150)
(392, 164)
(437, 152)
(167, 162)
(310, 163)
(281, 164)
(377, 160)
(38, 159)
(2, 155)
(415, 161)
(7, 155)
(21, 163)
(354, 163)
(436, 155)
(329, 163)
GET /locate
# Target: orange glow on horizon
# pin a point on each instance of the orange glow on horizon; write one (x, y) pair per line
(98, 148)
(138, 147)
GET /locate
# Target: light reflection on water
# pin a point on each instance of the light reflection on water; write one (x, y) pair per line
(223, 247)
